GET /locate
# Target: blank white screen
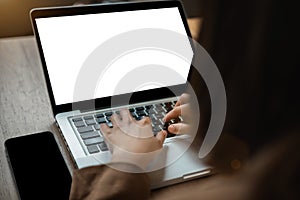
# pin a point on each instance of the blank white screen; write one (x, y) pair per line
(67, 41)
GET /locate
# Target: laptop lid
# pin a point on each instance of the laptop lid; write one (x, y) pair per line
(69, 38)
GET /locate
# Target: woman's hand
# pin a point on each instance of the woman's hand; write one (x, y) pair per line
(190, 115)
(132, 141)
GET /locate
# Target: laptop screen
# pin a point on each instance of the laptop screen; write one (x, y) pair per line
(70, 42)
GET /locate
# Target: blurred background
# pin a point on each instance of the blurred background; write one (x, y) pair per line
(15, 20)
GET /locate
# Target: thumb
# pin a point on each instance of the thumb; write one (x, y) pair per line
(161, 136)
(179, 128)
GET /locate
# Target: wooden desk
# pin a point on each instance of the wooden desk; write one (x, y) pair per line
(25, 108)
(24, 103)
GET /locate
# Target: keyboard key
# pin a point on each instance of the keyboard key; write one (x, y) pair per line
(141, 113)
(131, 110)
(152, 117)
(174, 121)
(79, 124)
(90, 122)
(151, 111)
(139, 108)
(93, 149)
(156, 129)
(85, 129)
(97, 126)
(88, 135)
(108, 118)
(168, 107)
(101, 120)
(109, 124)
(91, 141)
(88, 117)
(99, 115)
(156, 122)
(103, 146)
(148, 107)
(159, 115)
(133, 114)
(166, 104)
(159, 108)
(77, 119)
(138, 118)
(108, 113)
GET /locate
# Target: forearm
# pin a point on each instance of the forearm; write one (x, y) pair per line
(104, 182)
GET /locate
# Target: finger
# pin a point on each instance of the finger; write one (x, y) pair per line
(126, 116)
(161, 136)
(104, 129)
(115, 120)
(180, 101)
(176, 112)
(144, 121)
(179, 128)
(142, 128)
(183, 99)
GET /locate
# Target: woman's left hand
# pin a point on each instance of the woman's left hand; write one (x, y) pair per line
(132, 141)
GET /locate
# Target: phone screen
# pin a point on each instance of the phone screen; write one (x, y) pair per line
(39, 169)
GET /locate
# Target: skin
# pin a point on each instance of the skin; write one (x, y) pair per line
(182, 108)
(132, 141)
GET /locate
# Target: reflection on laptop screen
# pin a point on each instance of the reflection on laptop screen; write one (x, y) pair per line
(68, 41)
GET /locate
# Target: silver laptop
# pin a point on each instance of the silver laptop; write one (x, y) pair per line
(98, 59)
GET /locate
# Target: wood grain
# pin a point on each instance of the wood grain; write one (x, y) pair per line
(24, 103)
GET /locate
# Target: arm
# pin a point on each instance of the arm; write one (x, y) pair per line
(105, 182)
(133, 147)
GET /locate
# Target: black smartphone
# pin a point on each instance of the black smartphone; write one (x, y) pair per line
(39, 169)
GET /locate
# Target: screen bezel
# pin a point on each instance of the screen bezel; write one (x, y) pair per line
(105, 102)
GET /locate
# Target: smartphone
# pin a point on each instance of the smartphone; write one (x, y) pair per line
(38, 167)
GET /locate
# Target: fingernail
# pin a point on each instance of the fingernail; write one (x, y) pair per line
(165, 133)
(171, 128)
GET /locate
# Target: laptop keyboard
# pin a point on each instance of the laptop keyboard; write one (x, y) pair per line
(88, 126)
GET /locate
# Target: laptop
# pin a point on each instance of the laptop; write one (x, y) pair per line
(98, 59)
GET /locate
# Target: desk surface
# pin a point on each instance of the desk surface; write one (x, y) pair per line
(25, 108)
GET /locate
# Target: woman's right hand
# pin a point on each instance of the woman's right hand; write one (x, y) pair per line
(183, 109)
